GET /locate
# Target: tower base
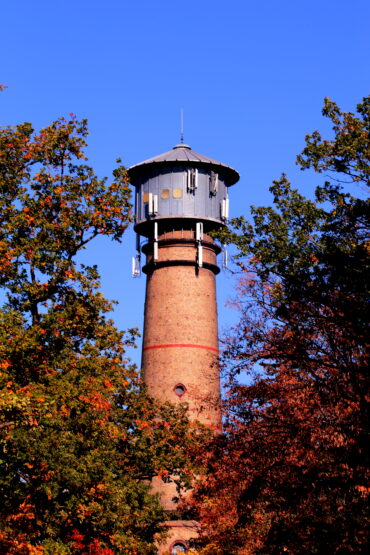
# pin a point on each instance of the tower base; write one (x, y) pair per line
(180, 532)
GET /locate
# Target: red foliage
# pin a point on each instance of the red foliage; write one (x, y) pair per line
(290, 474)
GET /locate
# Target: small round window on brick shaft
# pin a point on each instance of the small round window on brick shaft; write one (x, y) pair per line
(179, 389)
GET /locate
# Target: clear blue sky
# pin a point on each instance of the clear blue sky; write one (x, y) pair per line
(251, 77)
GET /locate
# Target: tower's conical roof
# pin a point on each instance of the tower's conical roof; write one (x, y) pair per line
(181, 154)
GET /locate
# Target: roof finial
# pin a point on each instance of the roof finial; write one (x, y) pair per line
(182, 126)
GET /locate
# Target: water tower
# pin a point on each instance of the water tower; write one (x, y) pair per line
(180, 197)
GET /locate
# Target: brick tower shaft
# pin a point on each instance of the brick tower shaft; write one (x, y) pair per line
(180, 325)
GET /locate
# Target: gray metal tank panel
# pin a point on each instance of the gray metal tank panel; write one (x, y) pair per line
(176, 198)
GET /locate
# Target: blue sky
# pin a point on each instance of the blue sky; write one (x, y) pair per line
(250, 76)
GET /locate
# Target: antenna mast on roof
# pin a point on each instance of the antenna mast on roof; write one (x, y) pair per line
(182, 126)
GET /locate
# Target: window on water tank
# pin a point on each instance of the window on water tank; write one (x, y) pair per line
(177, 193)
(165, 193)
(213, 183)
(146, 198)
(192, 180)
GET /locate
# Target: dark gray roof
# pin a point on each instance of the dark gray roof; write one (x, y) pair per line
(183, 153)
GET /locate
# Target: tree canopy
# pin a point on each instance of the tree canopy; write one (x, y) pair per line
(79, 438)
(290, 473)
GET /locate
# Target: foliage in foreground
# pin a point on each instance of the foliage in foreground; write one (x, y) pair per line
(79, 440)
(290, 474)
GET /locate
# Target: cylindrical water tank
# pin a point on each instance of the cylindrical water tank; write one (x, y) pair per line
(181, 184)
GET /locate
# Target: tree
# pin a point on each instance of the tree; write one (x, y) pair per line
(79, 438)
(290, 473)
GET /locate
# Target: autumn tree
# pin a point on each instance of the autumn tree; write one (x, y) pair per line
(290, 473)
(79, 439)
